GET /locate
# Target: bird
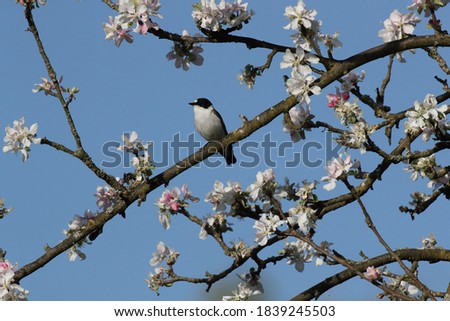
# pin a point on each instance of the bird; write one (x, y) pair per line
(209, 123)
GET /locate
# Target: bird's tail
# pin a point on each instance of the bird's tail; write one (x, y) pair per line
(229, 155)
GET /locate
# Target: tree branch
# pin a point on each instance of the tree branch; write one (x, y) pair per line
(430, 255)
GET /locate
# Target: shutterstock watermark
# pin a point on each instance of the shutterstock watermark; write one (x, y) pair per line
(249, 154)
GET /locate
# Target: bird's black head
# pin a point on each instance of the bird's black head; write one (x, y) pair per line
(202, 102)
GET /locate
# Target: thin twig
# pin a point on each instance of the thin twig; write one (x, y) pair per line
(386, 80)
(372, 226)
(58, 146)
(80, 152)
(51, 72)
(349, 266)
(434, 54)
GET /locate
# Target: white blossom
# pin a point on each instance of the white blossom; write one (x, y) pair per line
(222, 195)
(348, 112)
(427, 117)
(299, 16)
(298, 118)
(358, 135)
(266, 226)
(303, 216)
(9, 290)
(336, 167)
(398, 26)
(264, 180)
(19, 138)
(208, 14)
(427, 6)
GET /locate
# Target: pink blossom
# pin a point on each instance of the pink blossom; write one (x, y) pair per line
(334, 99)
(170, 200)
(372, 273)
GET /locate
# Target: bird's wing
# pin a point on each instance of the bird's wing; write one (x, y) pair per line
(221, 120)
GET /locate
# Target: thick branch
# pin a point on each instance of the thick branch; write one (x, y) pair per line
(430, 255)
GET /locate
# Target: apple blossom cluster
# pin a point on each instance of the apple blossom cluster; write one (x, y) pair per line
(398, 26)
(215, 223)
(141, 160)
(266, 226)
(349, 112)
(222, 195)
(265, 184)
(296, 123)
(19, 138)
(357, 136)
(428, 118)
(49, 88)
(106, 197)
(185, 53)
(155, 280)
(397, 284)
(427, 167)
(207, 14)
(3, 210)
(302, 216)
(249, 286)
(10, 291)
(301, 82)
(132, 12)
(268, 191)
(163, 253)
(171, 203)
(298, 253)
(77, 225)
(336, 167)
(300, 16)
(427, 6)
(308, 34)
(346, 111)
(248, 75)
(429, 242)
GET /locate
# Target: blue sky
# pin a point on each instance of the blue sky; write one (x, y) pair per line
(134, 87)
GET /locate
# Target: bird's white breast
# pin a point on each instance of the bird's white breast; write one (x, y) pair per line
(208, 124)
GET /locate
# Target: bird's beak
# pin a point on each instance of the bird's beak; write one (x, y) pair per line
(192, 104)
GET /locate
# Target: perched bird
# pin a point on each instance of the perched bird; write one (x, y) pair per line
(210, 125)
